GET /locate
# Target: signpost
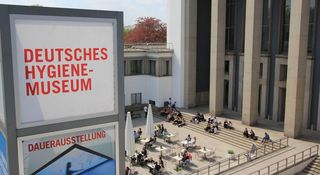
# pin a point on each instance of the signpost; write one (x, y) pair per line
(63, 85)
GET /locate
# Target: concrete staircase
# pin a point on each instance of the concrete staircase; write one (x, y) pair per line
(232, 137)
(313, 168)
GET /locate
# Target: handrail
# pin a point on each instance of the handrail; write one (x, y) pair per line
(239, 159)
(288, 162)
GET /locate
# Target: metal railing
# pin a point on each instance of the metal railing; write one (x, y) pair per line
(289, 161)
(242, 158)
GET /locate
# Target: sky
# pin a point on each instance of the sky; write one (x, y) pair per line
(132, 8)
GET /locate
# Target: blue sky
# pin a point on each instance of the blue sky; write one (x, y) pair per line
(131, 8)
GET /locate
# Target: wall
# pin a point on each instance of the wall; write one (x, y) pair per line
(175, 35)
(153, 88)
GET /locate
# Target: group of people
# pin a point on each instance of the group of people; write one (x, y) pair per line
(212, 125)
(151, 141)
(176, 118)
(142, 159)
(198, 118)
(157, 166)
(186, 157)
(190, 141)
(160, 131)
(253, 136)
(250, 135)
(137, 134)
(227, 124)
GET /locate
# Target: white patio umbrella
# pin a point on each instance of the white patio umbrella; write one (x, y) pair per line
(129, 137)
(149, 125)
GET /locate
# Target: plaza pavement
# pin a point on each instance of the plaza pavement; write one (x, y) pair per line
(220, 147)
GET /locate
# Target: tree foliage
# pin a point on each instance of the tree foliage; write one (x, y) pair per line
(147, 30)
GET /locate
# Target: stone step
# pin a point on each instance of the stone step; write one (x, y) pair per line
(306, 172)
(221, 134)
(238, 143)
(230, 134)
(234, 131)
(314, 166)
(311, 169)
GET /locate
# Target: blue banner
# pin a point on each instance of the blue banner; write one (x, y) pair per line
(3, 155)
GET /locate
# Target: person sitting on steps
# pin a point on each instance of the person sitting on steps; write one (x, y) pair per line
(246, 133)
(266, 138)
(253, 135)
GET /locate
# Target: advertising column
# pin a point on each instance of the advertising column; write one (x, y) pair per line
(63, 107)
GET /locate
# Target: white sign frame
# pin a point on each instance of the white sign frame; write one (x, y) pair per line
(21, 139)
(19, 123)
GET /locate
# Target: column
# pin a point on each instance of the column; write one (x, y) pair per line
(190, 53)
(218, 23)
(252, 51)
(297, 61)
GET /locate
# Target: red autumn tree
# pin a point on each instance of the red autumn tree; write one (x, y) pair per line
(147, 30)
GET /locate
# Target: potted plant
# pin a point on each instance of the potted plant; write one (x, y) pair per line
(178, 169)
(231, 154)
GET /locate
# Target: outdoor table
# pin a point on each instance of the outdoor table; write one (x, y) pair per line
(204, 151)
(168, 136)
(144, 140)
(151, 165)
(187, 143)
(160, 149)
(178, 157)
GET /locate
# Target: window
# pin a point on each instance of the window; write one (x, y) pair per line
(136, 67)
(283, 72)
(125, 68)
(243, 25)
(136, 98)
(230, 24)
(285, 25)
(226, 94)
(165, 68)
(226, 67)
(265, 26)
(312, 21)
(259, 100)
(152, 67)
(261, 70)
